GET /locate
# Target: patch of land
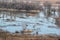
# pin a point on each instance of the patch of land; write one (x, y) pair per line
(16, 36)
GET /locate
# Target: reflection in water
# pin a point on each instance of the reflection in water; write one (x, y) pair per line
(13, 15)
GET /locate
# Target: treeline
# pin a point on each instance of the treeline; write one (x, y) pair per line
(19, 6)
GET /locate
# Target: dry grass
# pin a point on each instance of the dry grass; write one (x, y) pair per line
(17, 36)
(8, 36)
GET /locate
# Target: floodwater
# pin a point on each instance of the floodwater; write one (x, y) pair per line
(37, 23)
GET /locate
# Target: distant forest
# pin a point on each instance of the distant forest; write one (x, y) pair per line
(29, 6)
(20, 6)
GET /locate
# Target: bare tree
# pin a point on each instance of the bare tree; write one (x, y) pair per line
(53, 10)
(59, 10)
(47, 9)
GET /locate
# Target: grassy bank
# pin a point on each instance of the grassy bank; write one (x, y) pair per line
(8, 36)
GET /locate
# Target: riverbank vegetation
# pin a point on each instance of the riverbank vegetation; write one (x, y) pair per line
(7, 36)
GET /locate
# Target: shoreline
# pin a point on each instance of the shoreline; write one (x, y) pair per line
(15, 10)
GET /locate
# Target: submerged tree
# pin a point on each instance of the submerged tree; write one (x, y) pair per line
(53, 10)
(47, 9)
(59, 10)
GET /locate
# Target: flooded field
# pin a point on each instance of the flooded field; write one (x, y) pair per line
(29, 20)
(38, 24)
